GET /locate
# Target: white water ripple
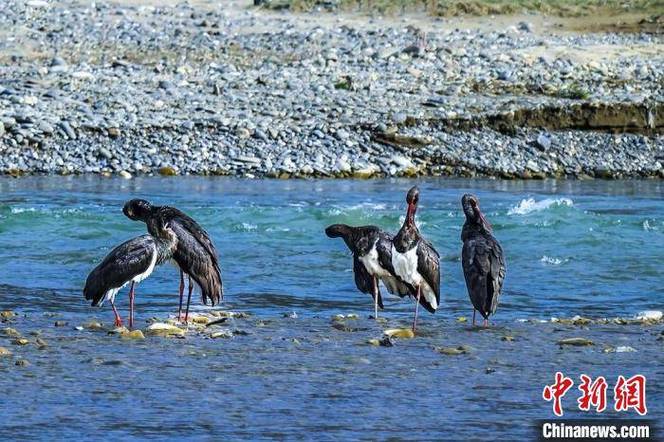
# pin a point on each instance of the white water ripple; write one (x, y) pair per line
(529, 205)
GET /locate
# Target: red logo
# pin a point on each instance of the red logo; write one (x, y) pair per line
(593, 393)
(631, 393)
(556, 392)
(628, 393)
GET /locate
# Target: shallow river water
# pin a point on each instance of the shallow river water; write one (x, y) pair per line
(589, 248)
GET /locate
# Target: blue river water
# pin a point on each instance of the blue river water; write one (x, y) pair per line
(589, 248)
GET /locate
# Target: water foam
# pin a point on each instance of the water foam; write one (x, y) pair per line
(529, 205)
(553, 261)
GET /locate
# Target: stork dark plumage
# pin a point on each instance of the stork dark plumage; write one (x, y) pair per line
(415, 260)
(194, 254)
(130, 262)
(372, 260)
(482, 260)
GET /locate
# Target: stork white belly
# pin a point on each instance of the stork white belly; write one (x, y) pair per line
(374, 268)
(405, 266)
(371, 263)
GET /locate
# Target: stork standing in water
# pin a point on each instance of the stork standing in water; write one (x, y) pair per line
(372, 260)
(194, 254)
(482, 260)
(415, 260)
(130, 262)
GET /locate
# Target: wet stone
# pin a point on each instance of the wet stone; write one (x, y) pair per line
(134, 334)
(7, 314)
(401, 333)
(575, 342)
(453, 351)
(10, 332)
(22, 363)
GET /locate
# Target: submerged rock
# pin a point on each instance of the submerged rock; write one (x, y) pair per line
(453, 351)
(229, 314)
(222, 334)
(507, 338)
(118, 330)
(93, 325)
(200, 319)
(20, 341)
(164, 329)
(5, 352)
(134, 334)
(61, 323)
(7, 314)
(462, 319)
(217, 322)
(41, 344)
(342, 326)
(22, 363)
(402, 333)
(577, 342)
(10, 332)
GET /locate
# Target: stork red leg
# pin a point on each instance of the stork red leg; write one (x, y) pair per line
(191, 289)
(181, 295)
(375, 293)
(131, 305)
(118, 319)
(417, 306)
(486, 322)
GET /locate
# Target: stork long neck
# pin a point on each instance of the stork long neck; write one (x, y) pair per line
(410, 215)
(409, 233)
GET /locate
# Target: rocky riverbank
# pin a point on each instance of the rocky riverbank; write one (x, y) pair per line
(201, 88)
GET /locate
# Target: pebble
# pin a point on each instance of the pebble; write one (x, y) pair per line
(134, 334)
(322, 112)
(4, 352)
(402, 333)
(10, 332)
(544, 141)
(576, 342)
(164, 329)
(225, 334)
(453, 351)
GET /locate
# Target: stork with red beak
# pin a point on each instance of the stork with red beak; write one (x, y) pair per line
(482, 260)
(415, 260)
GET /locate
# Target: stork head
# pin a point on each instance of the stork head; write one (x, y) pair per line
(137, 209)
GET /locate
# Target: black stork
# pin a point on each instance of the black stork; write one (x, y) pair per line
(482, 260)
(194, 254)
(130, 262)
(415, 260)
(372, 260)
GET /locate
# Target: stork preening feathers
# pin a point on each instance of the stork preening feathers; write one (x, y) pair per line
(172, 235)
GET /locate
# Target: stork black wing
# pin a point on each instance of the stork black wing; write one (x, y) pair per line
(484, 270)
(120, 266)
(428, 265)
(195, 254)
